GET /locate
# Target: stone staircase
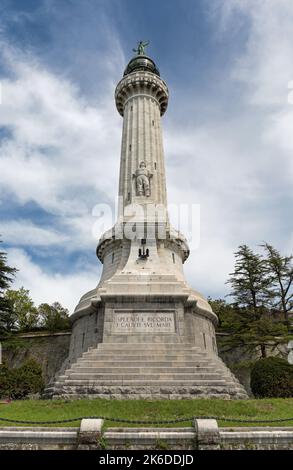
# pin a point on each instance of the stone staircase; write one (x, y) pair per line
(146, 370)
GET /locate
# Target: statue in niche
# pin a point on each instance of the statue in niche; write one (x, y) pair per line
(143, 176)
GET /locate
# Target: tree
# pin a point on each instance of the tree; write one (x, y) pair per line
(7, 273)
(244, 331)
(223, 310)
(54, 317)
(250, 321)
(280, 293)
(23, 308)
(249, 281)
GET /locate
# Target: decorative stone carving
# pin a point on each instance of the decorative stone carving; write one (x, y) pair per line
(143, 176)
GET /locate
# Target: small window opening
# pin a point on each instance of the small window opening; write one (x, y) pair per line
(204, 340)
(214, 344)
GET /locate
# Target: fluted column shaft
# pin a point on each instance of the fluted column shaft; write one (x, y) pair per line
(141, 99)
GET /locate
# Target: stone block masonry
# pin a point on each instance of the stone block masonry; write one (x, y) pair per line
(204, 435)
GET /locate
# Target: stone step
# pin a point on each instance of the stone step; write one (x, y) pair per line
(152, 385)
(146, 352)
(145, 347)
(137, 344)
(119, 365)
(152, 389)
(144, 369)
(141, 356)
(121, 361)
(143, 364)
(145, 382)
(193, 394)
(145, 356)
(137, 376)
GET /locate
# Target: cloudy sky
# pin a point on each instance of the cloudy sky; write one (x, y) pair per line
(228, 131)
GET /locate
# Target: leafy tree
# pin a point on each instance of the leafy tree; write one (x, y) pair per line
(54, 317)
(247, 332)
(279, 294)
(249, 281)
(7, 319)
(223, 310)
(249, 318)
(23, 307)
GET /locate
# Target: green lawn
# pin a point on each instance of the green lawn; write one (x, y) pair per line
(46, 410)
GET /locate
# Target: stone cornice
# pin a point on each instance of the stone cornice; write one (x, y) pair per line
(142, 84)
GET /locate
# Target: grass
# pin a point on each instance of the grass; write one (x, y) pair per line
(46, 410)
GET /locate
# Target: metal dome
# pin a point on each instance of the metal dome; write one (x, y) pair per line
(141, 62)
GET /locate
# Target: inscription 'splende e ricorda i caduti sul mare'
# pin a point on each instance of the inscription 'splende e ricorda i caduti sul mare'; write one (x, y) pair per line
(144, 322)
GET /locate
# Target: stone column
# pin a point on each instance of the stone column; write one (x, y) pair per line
(141, 98)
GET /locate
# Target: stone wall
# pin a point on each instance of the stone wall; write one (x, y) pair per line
(48, 349)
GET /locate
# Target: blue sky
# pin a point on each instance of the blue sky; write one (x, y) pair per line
(227, 132)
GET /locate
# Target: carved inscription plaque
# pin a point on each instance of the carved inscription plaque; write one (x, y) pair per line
(143, 322)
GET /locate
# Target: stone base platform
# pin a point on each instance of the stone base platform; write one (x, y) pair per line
(148, 371)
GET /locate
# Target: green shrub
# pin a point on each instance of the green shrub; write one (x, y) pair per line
(20, 382)
(4, 380)
(272, 377)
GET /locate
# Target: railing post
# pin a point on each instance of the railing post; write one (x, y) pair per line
(90, 434)
(207, 434)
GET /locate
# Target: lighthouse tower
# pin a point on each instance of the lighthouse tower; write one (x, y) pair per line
(143, 332)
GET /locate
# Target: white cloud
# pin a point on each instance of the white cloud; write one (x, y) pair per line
(226, 179)
(266, 69)
(59, 145)
(265, 65)
(24, 232)
(66, 289)
(238, 165)
(61, 151)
